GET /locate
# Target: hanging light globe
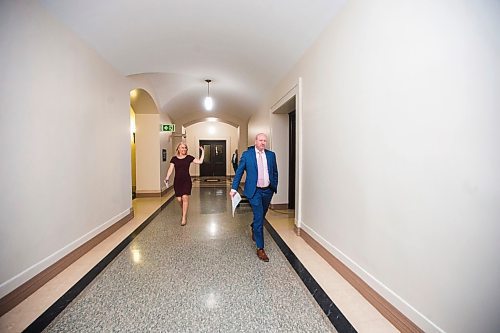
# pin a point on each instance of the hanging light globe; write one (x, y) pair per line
(208, 103)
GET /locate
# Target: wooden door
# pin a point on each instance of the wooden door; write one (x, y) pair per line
(214, 163)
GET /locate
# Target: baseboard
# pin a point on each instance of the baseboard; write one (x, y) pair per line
(166, 190)
(297, 230)
(148, 194)
(393, 315)
(12, 299)
(279, 206)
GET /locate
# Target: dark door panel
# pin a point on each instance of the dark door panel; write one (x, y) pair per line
(214, 163)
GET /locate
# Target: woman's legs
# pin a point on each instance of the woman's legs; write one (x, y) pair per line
(179, 200)
(184, 204)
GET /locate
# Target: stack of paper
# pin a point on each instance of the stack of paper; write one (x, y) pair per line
(235, 201)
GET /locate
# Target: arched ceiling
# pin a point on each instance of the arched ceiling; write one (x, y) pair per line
(141, 102)
(245, 47)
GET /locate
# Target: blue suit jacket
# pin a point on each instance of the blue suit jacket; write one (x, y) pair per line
(248, 163)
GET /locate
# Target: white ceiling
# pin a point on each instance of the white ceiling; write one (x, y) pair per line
(245, 47)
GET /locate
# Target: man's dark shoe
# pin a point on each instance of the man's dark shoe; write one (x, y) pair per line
(262, 255)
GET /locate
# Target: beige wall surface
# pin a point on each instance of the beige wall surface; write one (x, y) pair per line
(132, 146)
(148, 153)
(65, 136)
(400, 154)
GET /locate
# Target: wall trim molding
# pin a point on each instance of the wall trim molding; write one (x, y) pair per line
(393, 315)
(279, 206)
(297, 231)
(166, 190)
(148, 194)
(12, 299)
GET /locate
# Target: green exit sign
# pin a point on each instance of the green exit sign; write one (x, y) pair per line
(168, 127)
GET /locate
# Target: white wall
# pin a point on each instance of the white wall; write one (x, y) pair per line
(400, 163)
(65, 143)
(211, 131)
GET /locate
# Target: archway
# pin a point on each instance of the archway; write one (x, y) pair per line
(145, 144)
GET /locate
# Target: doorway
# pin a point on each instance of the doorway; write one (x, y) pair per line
(214, 163)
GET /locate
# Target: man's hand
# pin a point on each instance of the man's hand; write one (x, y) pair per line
(232, 193)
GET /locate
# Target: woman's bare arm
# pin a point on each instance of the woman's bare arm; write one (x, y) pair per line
(200, 160)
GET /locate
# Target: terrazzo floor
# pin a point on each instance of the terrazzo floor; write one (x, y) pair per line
(202, 277)
(217, 225)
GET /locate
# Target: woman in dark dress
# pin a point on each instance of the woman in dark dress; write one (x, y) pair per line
(182, 179)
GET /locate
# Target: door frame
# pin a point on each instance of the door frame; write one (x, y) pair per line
(292, 152)
(225, 154)
(279, 132)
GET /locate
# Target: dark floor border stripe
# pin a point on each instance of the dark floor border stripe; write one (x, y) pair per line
(55, 309)
(339, 321)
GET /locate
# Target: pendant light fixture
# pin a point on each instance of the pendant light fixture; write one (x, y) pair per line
(209, 103)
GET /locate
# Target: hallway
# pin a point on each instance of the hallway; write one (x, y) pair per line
(382, 115)
(204, 277)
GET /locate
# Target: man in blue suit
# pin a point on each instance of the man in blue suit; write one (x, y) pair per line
(260, 185)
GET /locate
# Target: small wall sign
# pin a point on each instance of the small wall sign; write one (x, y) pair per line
(168, 127)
